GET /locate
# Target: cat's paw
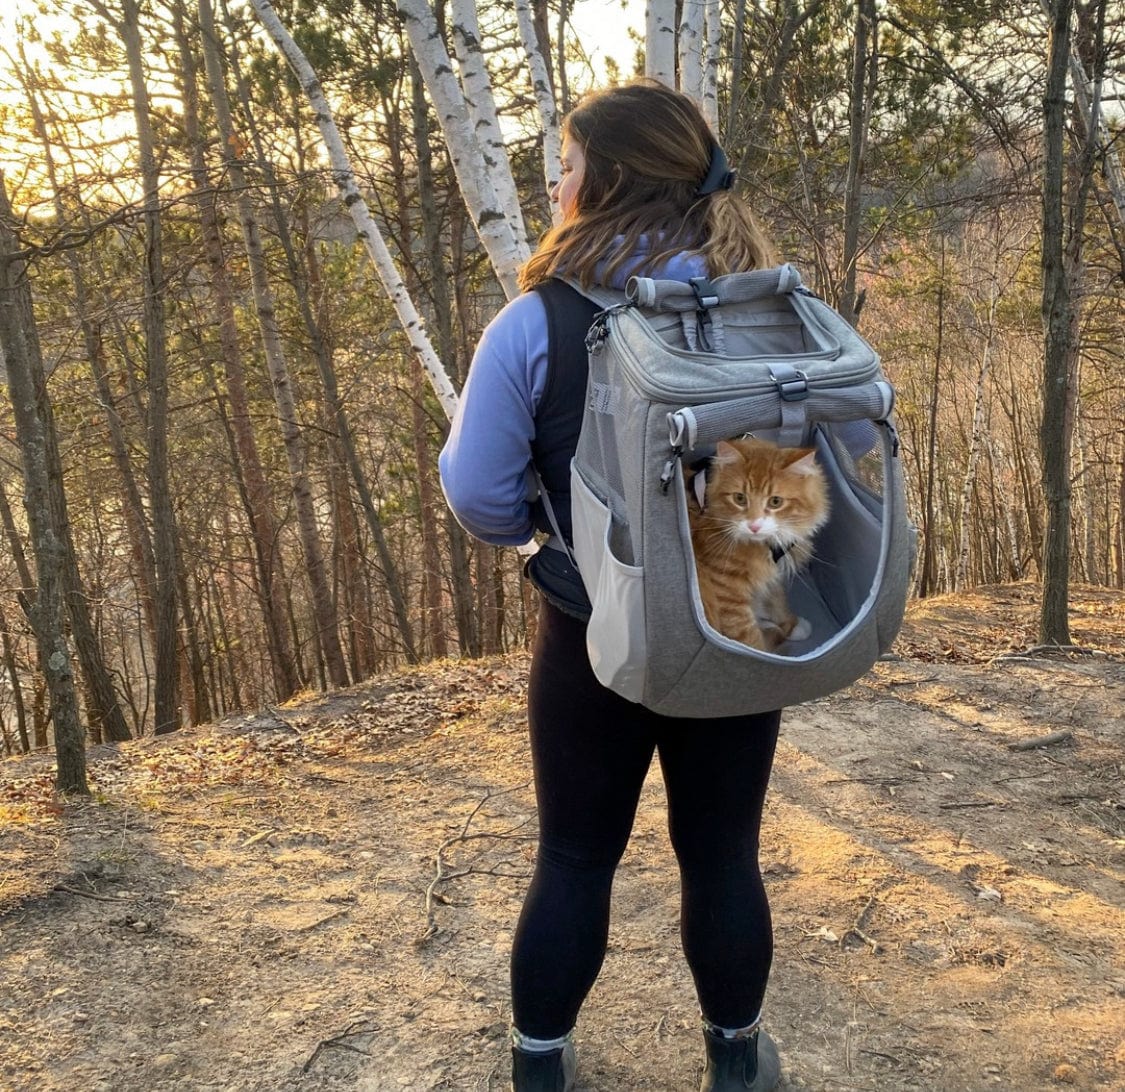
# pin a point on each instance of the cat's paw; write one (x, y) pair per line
(801, 629)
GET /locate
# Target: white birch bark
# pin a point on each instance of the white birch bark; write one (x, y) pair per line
(690, 45)
(1001, 468)
(491, 220)
(1089, 106)
(477, 88)
(713, 37)
(660, 41)
(544, 99)
(976, 442)
(1086, 499)
(369, 232)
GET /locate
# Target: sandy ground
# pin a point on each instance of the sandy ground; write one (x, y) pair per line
(322, 896)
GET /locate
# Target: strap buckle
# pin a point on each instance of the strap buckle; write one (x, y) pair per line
(793, 385)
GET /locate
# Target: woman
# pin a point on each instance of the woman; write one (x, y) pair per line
(644, 190)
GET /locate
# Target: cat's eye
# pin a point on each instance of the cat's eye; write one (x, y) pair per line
(774, 502)
(739, 499)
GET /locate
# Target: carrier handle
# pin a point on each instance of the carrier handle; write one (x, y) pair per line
(694, 426)
(758, 284)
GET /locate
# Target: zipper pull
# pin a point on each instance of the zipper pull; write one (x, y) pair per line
(669, 471)
(598, 332)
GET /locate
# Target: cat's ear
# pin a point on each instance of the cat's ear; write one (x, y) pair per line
(803, 461)
(725, 454)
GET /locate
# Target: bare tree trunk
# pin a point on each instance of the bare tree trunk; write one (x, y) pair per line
(864, 73)
(928, 568)
(428, 504)
(324, 609)
(751, 124)
(542, 9)
(1089, 554)
(12, 669)
(167, 713)
(352, 578)
(102, 706)
(690, 46)
(1088, 101)
(27, 388)
(488, 604)
(460, 587)
(253, 484)
(1119, 522)
(477, 89)
(660, 41)
(1058, 310)
(544, 91)
(734, 90)
(302, 279)
(368, 230)
(977, 441)
(1002, 464)
(492, 221)
(712, 49)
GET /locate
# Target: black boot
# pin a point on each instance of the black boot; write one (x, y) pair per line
(737, 1065)
(550, 1072)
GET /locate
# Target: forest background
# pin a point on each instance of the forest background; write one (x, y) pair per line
(224, 424)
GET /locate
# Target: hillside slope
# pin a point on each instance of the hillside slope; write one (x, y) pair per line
(321, 896)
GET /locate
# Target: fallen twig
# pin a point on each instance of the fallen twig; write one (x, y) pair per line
(856, 929)
(339, 1043)
(86, 894)
(1040, 741)
(910, 682)
(871, 780)
(951, 804)
(324, 920)
(441, 876)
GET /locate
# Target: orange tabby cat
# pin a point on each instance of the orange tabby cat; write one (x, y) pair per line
(753, 512)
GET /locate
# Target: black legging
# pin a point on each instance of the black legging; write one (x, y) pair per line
(591, 751)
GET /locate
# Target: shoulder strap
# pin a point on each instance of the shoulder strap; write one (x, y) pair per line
(569, 316)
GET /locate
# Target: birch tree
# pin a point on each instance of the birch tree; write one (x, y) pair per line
(299, 276)
(713, 40)
(493, 222)
(477, 88)
(660, 41)
(543, 89)
(690, 44)
(977, 439)
(369, 233)
(698, 43)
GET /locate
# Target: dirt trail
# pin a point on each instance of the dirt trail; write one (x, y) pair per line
(253, 905)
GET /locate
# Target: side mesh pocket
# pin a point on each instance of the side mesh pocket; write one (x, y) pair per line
(615, 636)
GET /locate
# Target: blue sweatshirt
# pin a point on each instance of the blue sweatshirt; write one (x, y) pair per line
(486, 462)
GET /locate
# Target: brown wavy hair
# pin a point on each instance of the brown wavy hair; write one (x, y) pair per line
(647, 149)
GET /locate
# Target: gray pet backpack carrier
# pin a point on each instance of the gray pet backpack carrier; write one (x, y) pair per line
(674, 368)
